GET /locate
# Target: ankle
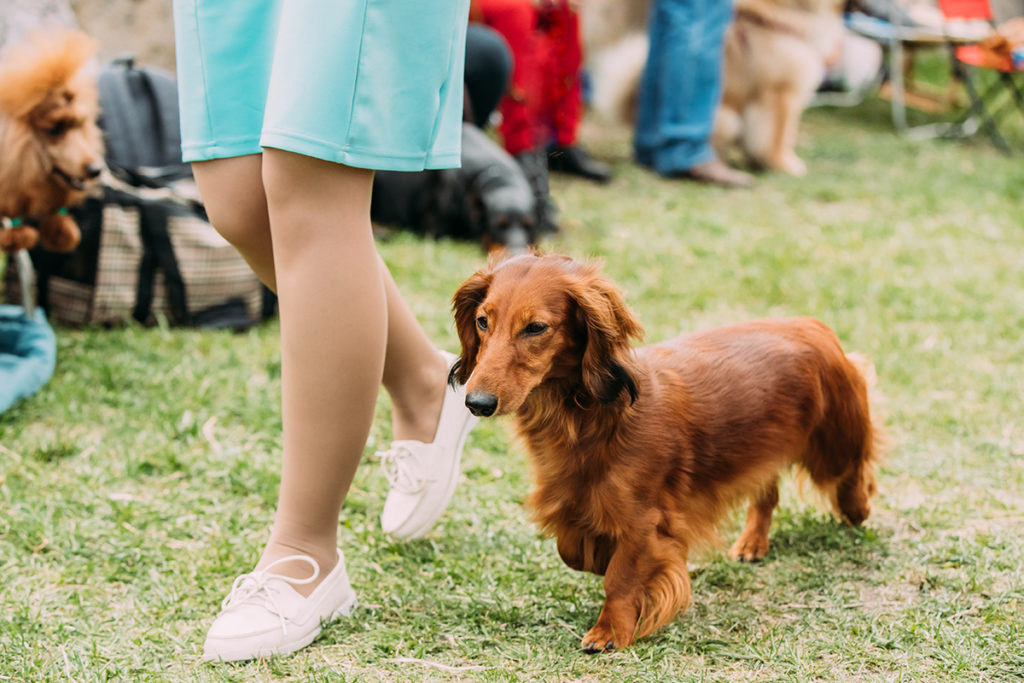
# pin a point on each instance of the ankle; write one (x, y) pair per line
(416, 409)
(325, 555)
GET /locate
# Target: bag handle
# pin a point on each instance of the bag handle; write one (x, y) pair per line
(158, 253)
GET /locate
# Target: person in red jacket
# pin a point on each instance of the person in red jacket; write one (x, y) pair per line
(542, 110)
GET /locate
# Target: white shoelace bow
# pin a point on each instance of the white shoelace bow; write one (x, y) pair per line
(254, 585)
(403, 469)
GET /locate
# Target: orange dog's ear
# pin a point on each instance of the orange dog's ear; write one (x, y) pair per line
(608, 324)
(467, 298)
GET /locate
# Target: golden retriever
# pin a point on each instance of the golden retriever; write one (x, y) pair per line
(776, 53)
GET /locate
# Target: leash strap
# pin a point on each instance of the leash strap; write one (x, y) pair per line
(25, 271)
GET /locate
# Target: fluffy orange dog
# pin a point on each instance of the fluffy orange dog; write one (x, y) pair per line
(638, 453)
(50, 146)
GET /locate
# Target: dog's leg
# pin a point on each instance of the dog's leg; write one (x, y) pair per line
(787, 108)
(752, 545)
(645, 585)
(59, 234)
(14, 239)
(585, 552)
(726, 132)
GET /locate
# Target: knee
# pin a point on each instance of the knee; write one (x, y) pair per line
(242, 223)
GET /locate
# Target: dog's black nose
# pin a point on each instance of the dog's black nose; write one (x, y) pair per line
(481, 404)
(93, 171)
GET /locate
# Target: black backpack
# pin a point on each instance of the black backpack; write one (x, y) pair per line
(140, 123)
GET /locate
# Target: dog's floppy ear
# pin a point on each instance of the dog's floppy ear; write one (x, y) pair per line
(608, 325)
(467, 298)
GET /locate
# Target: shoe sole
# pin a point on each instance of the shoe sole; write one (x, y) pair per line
(294, 646)
(453, 479)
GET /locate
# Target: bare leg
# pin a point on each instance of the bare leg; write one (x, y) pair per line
(321, 219)
(414, 373)
(333, 335)
(232, 191)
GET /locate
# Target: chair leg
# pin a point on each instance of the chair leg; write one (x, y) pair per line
(977, 109)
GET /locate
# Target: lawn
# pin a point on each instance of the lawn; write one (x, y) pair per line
(142, 478)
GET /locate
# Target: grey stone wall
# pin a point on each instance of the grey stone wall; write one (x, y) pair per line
(20, 17)
(141, 28)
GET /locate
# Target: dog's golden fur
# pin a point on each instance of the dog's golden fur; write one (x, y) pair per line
(51, 149)
(637, 454)
(775, 57)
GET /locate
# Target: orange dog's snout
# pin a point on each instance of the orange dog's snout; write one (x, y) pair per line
(481, 403)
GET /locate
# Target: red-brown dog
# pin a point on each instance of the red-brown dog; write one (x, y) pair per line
(51, 149)
(638, 453)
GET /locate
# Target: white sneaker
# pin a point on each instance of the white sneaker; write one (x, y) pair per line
(264, 615)
(423, 475)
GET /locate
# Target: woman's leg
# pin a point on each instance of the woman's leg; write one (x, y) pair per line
(333, 334)
(414, 372)
(232, 191)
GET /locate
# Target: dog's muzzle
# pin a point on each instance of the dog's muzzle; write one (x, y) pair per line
(92, 172)
(481, 403)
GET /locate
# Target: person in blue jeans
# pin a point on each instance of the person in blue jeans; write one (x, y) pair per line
(680, 92)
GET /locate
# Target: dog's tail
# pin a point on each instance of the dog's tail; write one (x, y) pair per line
(850, 444)
(876, 402)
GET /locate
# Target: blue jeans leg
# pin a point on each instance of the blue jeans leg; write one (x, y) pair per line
(682, 84)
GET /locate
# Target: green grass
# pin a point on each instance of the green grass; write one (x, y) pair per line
(142, 478)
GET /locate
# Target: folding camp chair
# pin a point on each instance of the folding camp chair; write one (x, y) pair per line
(891, 27)
(990, 105)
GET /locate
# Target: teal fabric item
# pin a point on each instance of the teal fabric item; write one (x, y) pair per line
(28, 354)
(367, 83)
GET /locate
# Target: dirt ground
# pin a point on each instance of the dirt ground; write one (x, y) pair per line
(142, 28)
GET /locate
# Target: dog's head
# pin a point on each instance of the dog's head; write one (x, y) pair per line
(533, 319)
(51, 148)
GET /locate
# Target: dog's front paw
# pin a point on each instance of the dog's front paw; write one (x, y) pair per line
(602, 638)
(749, 548)
(599, 639)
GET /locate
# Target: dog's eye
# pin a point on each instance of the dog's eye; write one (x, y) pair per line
(533, 329)
(481, 322)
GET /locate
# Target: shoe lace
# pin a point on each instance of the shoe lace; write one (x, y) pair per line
(255, 585)
(402, 469)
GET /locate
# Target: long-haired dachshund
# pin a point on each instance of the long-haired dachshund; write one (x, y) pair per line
(638, 453)
(51, 148)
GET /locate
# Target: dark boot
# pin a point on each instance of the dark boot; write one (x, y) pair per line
(575, 160)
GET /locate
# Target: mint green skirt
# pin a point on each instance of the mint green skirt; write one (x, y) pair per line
(366, 83)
